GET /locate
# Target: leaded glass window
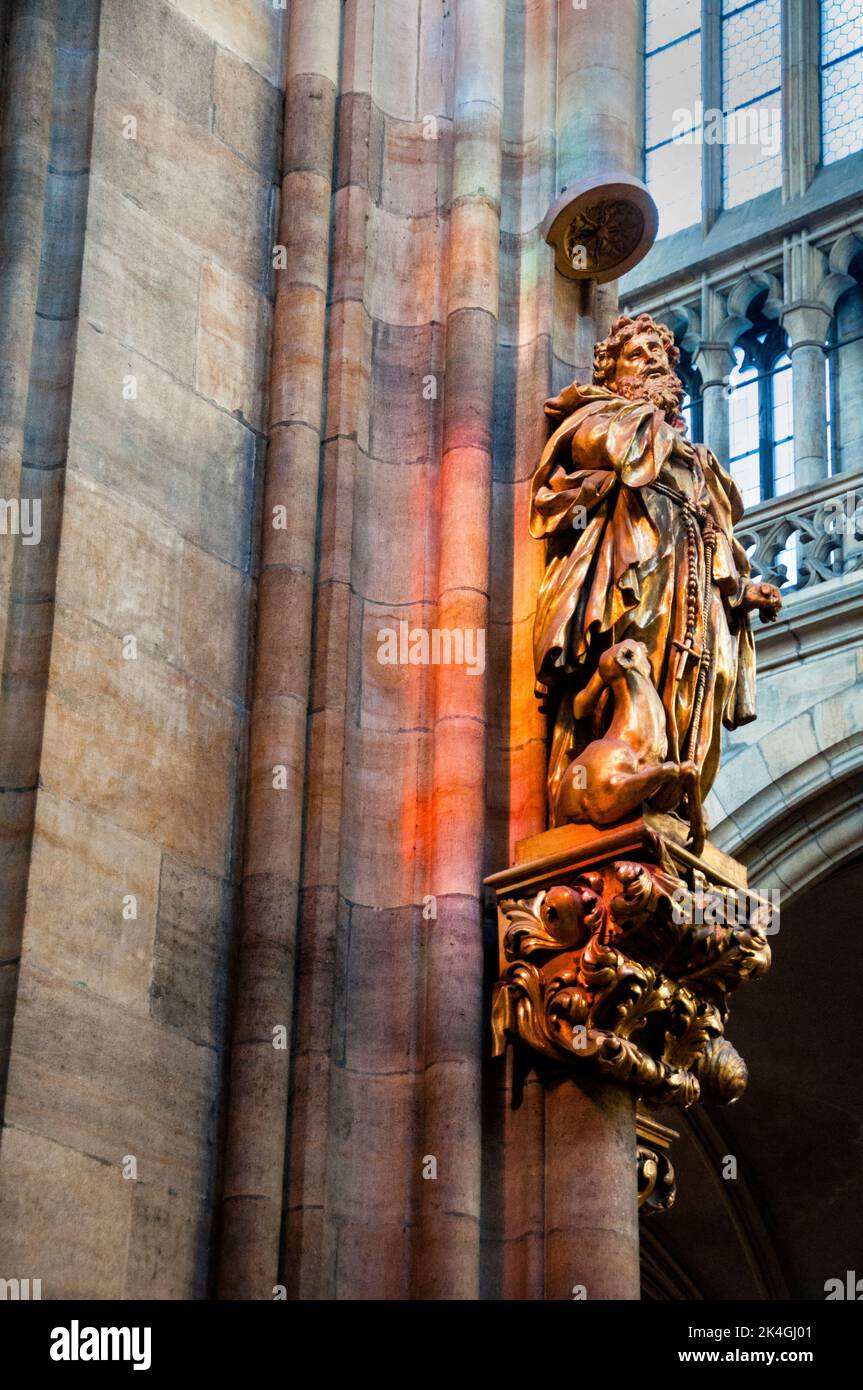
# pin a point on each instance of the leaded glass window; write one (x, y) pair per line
(743, 444)
(844, 375)
(692, 405)
(673, 85)
(761, 414)
(751, 99)
(841, 78)
(783, 426)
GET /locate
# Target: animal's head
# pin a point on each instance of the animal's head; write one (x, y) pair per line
(614, 664)
(628, 655)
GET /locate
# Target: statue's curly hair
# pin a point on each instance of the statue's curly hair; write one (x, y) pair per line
(606, 353)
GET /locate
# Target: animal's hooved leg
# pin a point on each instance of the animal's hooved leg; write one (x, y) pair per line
(691, 778)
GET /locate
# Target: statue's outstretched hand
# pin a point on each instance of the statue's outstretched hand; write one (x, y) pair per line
(766, 598)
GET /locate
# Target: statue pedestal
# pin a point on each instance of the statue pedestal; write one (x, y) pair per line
(618, 952)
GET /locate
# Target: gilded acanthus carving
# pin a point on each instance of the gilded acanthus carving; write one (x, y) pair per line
(622, 969)
(656, 1186)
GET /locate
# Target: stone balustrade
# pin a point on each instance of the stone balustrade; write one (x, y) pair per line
(807, 536)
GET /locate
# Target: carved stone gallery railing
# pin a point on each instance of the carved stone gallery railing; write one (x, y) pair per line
(809, 536)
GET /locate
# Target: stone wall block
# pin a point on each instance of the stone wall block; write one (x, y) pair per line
(173, 56)
(140, 281)
(164, 734)
(407, 392)
(101, 1081)
(247, 112)
(166, 448)
(179, 173)
(392, 567)
(232, 345)
(87, 878)
(250, 28)
(66, 1217)
(394, 57)
(189, 984)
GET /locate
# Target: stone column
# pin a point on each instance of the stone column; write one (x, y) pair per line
(255, 1142)
(24, 178)
(600, 61)
(806, 325)
(599, 131)
(44, 186)
(447, 1263)
(715, 361)
(806, 320)
(591, 1204)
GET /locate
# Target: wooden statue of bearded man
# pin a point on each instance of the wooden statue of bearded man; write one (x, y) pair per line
(640, 549)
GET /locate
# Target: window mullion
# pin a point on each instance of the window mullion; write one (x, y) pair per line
(765, 433)
(801, 96)
(711, 95)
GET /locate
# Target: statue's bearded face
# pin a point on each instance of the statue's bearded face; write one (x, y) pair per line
(644, 373)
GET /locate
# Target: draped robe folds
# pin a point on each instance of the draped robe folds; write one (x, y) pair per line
(617, 568)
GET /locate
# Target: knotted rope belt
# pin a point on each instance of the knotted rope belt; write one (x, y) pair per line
(695, 518)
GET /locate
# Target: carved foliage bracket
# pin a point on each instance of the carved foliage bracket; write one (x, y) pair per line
(626, 967)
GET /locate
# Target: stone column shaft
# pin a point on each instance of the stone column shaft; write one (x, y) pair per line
(24, 158)
(44, 185)
(591, 1204)
(715, 361)
(447, 1259)
(599, 85)
(599, 130)
(807, 325)
(255, 1142)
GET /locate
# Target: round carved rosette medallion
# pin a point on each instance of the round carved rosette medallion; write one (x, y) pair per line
(600, 228)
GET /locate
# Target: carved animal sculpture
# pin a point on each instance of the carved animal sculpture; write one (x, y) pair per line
(613, 775)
